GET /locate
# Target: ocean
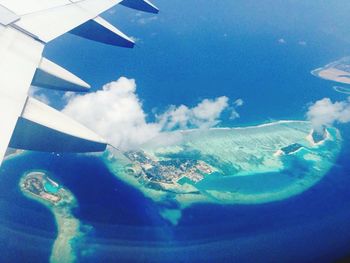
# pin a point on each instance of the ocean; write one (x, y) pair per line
(127, 227)
(275, 83)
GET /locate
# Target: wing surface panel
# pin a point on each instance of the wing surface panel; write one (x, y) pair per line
(43, 128)
(51, 23)
(20, 55)
(22, 7)
(25, 27)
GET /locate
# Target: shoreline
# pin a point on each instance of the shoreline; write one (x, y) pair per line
(267, 124)
(312, 141)
(309, 153)
(332, 73)
(13, 155)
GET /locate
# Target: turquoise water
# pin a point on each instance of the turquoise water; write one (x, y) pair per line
(248, 163)
(265, 182)
(194, 50)
(51, 188)
(344, 90)
(318, 216)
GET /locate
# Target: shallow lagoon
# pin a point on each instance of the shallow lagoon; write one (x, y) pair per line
(199, 232)
(248, 163)
(50, 187)
(344, 90)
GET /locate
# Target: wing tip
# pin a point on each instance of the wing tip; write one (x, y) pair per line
(141, 5)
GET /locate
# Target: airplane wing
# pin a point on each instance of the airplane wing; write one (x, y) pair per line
(25, 28)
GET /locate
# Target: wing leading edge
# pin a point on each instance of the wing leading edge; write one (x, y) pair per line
(25, 28)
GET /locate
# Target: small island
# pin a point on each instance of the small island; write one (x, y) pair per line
(338, 71)
(39, 186)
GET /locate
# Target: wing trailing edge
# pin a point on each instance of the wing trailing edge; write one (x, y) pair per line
(25, 28)
(52, 76)
(100, 30)
(42, 128)
(141, 5)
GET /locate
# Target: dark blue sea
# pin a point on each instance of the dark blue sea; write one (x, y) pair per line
(183, 62)
(126, 226)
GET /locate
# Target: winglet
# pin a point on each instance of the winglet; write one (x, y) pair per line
(142, 5)
(100, 30)
(52, 76)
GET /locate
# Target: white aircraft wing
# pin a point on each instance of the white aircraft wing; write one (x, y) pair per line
(25, 28)
(19, 57)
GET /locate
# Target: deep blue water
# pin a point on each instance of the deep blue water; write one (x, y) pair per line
(183, 57)
(312, 226)
(211, 49)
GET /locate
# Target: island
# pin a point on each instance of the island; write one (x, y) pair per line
(166, 171)
(338, 71)
(244, 165)
(39, 186)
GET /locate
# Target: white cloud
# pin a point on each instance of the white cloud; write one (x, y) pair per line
(175, 116)
(37, 94)
(282, 41)
(68, 95)
(112, 11)
(302, 43)
(238, 102)
(205, 115)
(146, 20)
(135, 39)
(325, 113)
(116, 113)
